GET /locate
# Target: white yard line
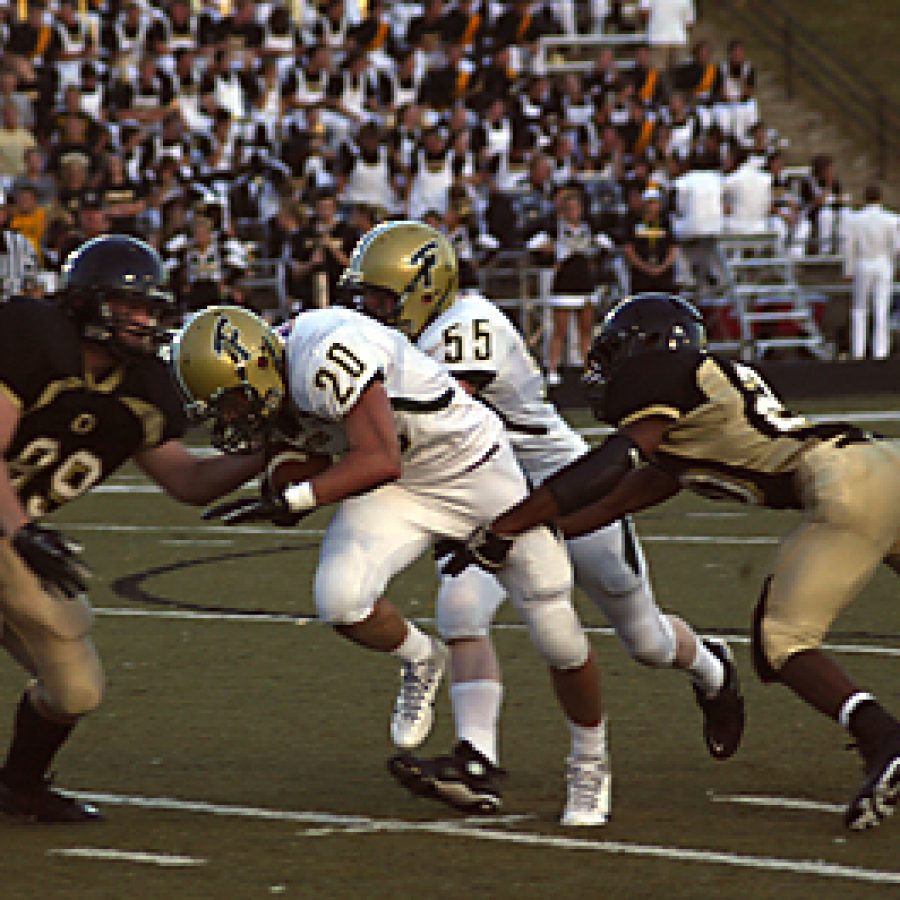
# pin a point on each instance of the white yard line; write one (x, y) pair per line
(778, 802)
(287, 534)
(134, 856)
(324, 824)
(125, 612)
(886, 415)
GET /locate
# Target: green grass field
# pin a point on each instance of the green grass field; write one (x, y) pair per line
(245, 754)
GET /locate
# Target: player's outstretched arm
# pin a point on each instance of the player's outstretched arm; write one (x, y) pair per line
(638, 490)
(584, 482)
(194, 479)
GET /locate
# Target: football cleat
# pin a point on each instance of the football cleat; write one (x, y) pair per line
(413, 713)
(588, 791)
(879, 793)
(43, 804)
(465, 780)
(723, 713)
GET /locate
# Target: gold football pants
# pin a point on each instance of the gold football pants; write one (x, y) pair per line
(49, 635)
(851, 524)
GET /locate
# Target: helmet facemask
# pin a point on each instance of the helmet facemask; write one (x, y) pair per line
(106, 318)
(239, 419)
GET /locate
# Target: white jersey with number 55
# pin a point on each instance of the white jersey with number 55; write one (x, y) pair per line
(334, 354)
(480, 345)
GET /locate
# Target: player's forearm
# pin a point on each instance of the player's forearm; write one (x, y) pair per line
(535, 509)
(586, 480)
(357, 472)
(193, 479)
(638, 490)
(217, 476)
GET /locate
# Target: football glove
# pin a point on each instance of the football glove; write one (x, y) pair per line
(269, 507)
(52, 557)
(482, 548)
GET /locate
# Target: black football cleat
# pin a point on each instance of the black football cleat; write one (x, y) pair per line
(43, 804)
(879, 793)
(723, 713)
(465, 779)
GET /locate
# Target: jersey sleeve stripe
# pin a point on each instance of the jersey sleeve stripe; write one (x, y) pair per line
(13, 397)
(412, 405)
(670, 412)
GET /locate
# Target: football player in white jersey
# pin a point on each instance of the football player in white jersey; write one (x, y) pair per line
(422, 461)
(472, 338)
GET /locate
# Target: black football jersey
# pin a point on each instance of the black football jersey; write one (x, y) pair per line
(731, 437)
(74, 432)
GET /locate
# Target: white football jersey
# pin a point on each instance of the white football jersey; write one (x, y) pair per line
(477, 342)
(334, 354)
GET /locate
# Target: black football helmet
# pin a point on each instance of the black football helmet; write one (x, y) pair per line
(121, 270)
(640, 324)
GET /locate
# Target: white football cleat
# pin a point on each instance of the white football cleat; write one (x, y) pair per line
(588, 791)
(413, 713)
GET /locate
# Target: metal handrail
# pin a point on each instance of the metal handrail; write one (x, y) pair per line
(862, 103)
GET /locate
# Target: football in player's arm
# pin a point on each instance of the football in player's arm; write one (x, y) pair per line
(686, 418)
(81, 392)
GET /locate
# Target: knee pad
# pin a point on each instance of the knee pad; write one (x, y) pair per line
(466, 604)
(77, 694)
(650, 640)
(342, 597)
(556, 632)
(765, 671)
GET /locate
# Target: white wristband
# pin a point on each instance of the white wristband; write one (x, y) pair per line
(299, 497)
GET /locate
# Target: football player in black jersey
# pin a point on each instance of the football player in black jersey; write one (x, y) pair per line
(81, 392)
(688, 419)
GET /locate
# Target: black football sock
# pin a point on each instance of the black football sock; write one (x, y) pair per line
(870, 723)
(34, 744)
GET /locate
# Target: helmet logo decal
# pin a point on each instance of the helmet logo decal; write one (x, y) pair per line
(227, 340)
(426, 258)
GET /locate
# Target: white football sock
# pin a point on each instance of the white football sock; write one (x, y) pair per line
(588, 741)
(416, 645)
(707, 670)
(476, 708)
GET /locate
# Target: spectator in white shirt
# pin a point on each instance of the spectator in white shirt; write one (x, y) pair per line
(747, 195)
(872, 242)
(667, 23)
(699, 218)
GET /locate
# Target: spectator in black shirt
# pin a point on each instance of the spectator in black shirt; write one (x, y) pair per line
(324, 247)
(650, 249)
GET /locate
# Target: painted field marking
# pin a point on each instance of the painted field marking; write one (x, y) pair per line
(778, 802)
(288, 619)
(886, 415)
(196, 542)
(135, 856)
(736, 540)
(360, 824)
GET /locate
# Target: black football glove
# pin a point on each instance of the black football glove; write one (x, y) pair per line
(52, 557)
(269, 507)
(481, 548)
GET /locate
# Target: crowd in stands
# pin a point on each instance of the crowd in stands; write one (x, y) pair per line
(227, 132)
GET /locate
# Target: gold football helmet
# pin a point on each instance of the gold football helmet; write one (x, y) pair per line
(414, 264)
(230, 366)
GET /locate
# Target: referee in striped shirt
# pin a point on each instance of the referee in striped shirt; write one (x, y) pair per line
(18, 261)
